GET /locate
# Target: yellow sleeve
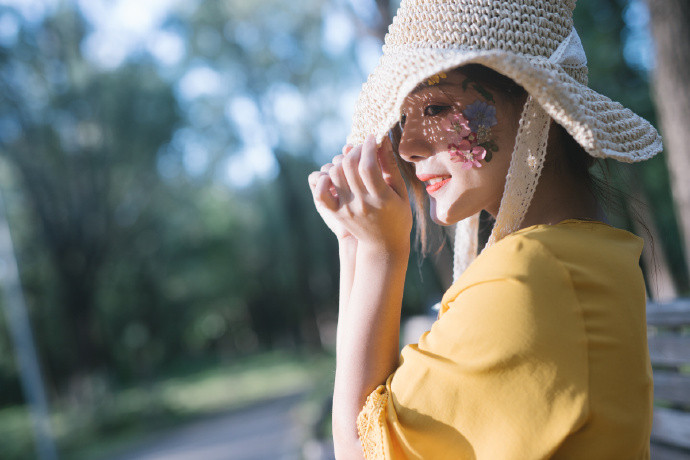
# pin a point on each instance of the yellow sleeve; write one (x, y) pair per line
(502, 374)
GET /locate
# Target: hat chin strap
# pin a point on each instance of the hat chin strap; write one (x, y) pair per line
(525, 168)
(524, 171)
(465, 247)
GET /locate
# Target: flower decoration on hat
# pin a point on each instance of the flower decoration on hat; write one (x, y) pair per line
(434, 79)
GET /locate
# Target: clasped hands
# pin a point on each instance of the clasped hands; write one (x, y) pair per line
(361, 196)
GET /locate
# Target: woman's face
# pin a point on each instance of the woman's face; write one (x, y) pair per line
(459, 136)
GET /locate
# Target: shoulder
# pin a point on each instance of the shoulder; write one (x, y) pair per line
(526, 291)
(517, 298)
(544, 254)
(519, 294)
(517, 258)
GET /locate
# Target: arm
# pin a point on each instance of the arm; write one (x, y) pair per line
(371, 204)
(369, 346)
(347, 249)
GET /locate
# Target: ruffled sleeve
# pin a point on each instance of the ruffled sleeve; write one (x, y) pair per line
(370, 423)
(501, 374)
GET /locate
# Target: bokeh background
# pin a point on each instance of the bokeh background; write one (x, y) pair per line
(173, 271)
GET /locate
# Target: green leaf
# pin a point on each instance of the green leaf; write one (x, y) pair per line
(485, 94)
(465, 83)
(488, 156)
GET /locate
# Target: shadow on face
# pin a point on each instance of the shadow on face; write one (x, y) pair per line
(459, 128)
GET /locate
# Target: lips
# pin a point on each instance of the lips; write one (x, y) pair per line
(434, 181)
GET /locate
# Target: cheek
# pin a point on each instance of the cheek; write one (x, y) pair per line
(504, 136)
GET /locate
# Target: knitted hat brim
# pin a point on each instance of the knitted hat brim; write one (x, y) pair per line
(604, 128)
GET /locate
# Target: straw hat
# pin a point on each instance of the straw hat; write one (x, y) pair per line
(532, 42)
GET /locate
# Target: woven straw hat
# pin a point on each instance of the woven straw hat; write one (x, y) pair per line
(532, 42)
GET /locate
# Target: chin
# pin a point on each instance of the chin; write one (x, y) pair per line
(446, 216)
(438, 215)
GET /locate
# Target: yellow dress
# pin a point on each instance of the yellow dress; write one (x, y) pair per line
(540, 351)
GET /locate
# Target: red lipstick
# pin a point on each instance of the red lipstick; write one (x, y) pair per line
(431, 188)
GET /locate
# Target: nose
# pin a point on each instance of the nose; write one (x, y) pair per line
(414, 143)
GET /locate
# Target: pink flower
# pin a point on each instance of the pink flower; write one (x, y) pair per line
(468, 155)
(458, 124)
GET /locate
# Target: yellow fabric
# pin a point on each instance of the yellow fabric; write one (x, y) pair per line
(540, 351)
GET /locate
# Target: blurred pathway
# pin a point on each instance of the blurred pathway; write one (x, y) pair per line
(262, 431)
(266, 430)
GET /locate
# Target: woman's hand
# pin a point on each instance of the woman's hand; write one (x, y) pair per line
(370, 201)
(321, 185)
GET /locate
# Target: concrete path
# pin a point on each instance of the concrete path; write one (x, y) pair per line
(266, 430)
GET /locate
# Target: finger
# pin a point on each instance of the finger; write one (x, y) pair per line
(337, 159)
(370, 169)
(339, 181)
(314, 178)
(389, 167)
(346, 149)
(351, 168)
(323, 195)
(326, 167)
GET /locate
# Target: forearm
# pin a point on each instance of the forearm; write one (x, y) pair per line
(369, 339)
(348, 250)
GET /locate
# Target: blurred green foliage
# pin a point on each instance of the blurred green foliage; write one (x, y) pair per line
(132, 260)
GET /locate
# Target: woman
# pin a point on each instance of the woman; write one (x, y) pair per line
(540, 347)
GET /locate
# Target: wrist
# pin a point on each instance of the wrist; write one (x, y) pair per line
(347, 246)
(392, 252)
(347, 241)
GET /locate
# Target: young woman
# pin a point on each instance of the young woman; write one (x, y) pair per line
(540, 347)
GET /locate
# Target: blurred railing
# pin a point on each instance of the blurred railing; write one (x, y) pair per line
(669, 349)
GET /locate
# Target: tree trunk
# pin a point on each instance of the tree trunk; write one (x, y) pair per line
(670, 24)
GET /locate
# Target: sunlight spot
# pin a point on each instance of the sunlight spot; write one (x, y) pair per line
(200, 81)
(32, 10)
(195, 159)
(337, 32)
(368, 53)
(638, 45)
(166, 47)
(9, 28)
(288, 104)
(121, 27)
(243, 168)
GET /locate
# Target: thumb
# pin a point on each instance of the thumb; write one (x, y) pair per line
(389, 168)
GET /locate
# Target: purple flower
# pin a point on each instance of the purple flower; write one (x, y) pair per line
(480, 114)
